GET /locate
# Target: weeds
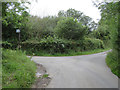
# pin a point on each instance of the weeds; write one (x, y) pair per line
(112, 62)
(18, 71)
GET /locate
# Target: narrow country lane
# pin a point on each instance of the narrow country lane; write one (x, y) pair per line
(86, 71)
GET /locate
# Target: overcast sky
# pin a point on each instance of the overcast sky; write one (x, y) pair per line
(51, 7)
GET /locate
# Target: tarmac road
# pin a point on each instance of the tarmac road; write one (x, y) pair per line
(86, 71)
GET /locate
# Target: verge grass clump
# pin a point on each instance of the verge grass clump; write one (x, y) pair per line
(18, 71)
(112, 62)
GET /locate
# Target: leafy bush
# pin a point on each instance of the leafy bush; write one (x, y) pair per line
(50, 44)
(53, 44)
(102, 33)
(18, 70)
(8, 45)
(30, 47)
(91, 43)
(70, 29)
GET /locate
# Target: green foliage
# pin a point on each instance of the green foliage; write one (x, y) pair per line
(70, 29)
(91, 44)
(31, 47)
(8, 45)
(45, 75)
(51, 34)
(74, 53)
(13, 13)
(53, 44)
(39, 28)
(70, 13)
(85, 20)
(102, 33)
(17, 70)
(112, 62)
(110, 17)
(0, 69)
(13, 16)
(69, 53)
(50, 44)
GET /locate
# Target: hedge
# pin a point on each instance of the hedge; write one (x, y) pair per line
(49, 44)
(54, 45)
(92, 43)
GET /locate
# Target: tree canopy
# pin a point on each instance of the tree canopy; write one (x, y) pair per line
(85, 20)
(70, 28)
(13, 16)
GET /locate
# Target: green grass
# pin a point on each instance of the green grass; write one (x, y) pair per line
(70, 53)
(0, 69)
(18, 71)
(45, 75)
(112, 62)
(0, 74)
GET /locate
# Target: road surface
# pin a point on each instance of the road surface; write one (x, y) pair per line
(86, 71)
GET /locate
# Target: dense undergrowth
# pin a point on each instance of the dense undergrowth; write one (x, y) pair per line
(18, 71)
(112, 62)
(55, 46)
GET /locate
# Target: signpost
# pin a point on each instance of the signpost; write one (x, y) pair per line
(18, 31)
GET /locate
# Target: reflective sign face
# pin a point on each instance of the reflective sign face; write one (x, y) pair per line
(18, 31)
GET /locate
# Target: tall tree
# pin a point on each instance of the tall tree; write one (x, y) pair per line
(70, 29)
(109, 17)
(110, 13)
(13, 16)
(85, 20)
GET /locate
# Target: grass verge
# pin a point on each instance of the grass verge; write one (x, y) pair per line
(112, 62)
(0, 73)
(18, 71)
(70, 53)
(0, 68)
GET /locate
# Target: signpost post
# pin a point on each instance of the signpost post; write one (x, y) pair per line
(18, 31)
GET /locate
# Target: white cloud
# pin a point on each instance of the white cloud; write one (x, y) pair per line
(51, 7)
